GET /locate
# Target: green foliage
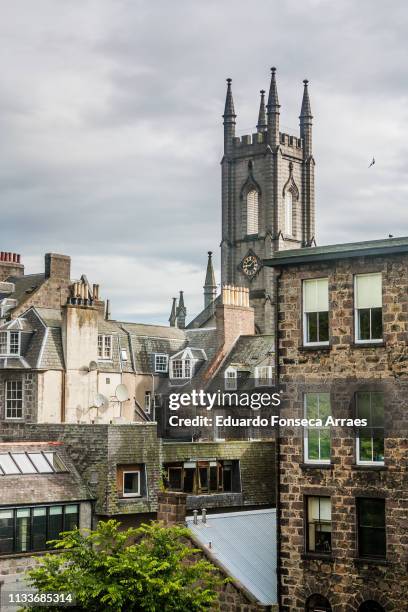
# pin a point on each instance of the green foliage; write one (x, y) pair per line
(150, 569)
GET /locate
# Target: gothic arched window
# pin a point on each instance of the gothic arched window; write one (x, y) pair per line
(252, 212)
(289, 213)
(318, 603)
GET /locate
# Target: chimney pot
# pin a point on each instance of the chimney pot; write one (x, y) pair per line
(204, 515)
(195, 519)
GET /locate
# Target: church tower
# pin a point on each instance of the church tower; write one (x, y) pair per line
(267, 197)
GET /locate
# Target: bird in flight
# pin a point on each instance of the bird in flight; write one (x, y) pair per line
(372, 163)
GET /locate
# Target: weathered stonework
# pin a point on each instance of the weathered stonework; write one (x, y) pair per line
(341, 369)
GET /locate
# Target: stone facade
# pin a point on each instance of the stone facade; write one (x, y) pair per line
(30, 393)
(341, 369)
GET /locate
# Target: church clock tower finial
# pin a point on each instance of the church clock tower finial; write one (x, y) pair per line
(273, 107)
(229, 117)
(306, 120)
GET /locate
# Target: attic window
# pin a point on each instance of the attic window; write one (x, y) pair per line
(9, 343)
(104, 347)
(263, 376)
(181, 365)
(230, 376)
(161, 363)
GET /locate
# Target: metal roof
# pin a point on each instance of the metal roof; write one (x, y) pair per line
(386, 246)
(245, 544)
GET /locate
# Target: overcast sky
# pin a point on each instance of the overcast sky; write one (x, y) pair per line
(111, 129)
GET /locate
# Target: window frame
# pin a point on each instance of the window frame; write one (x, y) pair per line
(359, 528)
(230, 379)
(103, 357)
(308, 551)
(8, 333)
(371, 428)
(305, 314)
(258, 378)
(147, 405)
(186, 369)
(288, 214)
(166, 363)
(357, 331)
(10, 399)
(254, 225)
(306, 432)
(133, 471)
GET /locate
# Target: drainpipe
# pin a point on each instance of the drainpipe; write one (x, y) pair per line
(278, 275)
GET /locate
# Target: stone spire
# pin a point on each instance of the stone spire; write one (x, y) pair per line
(306, 121)
(273, 107)
(173, 314)
(262, 125)
(229, 117)
(181, 312)
(210, 287)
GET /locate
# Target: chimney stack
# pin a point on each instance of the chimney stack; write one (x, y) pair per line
(10, 265)
(234, 316)
(171, 507)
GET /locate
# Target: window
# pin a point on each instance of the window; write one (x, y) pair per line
(368, 307)
(29, 528)
(317, 439)
(318, 603)
(370, 439)
(9, 343)
(288, 213)
(263, 376)
(147, 402)
(131, 484)
(104, 347)
(31, 463)
(14, 399)
(316, 311)
(161, 363)
(180, 368)
(318, 533)
(252, 213)
(123, 355)
(371, 527)
(204, 477)
(230, 378)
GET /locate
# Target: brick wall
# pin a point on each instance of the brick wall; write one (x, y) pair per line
(342, 369)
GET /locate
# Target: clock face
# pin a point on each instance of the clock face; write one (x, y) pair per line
(250, 265)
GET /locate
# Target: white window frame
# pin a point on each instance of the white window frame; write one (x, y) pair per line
(10, 399)
(356, 313)
(105, 356)
(138, 494)
(8, 343)
(305, 313)
(147, 402)
(358, 460)
(187, 365)
(165, 363)
(306, 433)
(230, 379)
(259, 377)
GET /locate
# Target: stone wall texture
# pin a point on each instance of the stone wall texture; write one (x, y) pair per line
(342, 369)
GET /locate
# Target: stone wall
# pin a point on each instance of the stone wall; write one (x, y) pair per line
(30, 394)
(341, 369)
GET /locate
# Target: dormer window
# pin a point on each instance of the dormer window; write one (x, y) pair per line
(182, 364)
(161, 363)
(104, 347)
(263, 376)
(230, 379)
(180, 368)
(9, 343)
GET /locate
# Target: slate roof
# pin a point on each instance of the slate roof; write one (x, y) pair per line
(245, 544)
(205, 315)
(42, 488)
(24, 286)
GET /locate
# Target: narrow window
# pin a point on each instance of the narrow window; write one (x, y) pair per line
(22, 529)
(55, 522)
(230, 377)
(14, 399)
(318, 533)
(288, 213)
(161, 363)
(317, 439)
(39, 528)
(147, 402)
(3, 343)
(370, 439)
(6, 531)
(104, 347)
(131, 484)
(252, 212)
(316, 311)
(263, 376)
(371, 527)
(368, 307)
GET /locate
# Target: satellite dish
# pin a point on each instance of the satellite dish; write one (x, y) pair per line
(101, 401)
(93, 366)
(122, 393)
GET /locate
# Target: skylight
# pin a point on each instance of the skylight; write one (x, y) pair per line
(31, 463)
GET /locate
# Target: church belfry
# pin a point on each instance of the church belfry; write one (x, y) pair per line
(267, 197)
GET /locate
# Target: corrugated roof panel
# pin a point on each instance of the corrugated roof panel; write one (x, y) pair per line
(245, 544)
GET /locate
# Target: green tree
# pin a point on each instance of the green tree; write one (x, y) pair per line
(150, 569)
